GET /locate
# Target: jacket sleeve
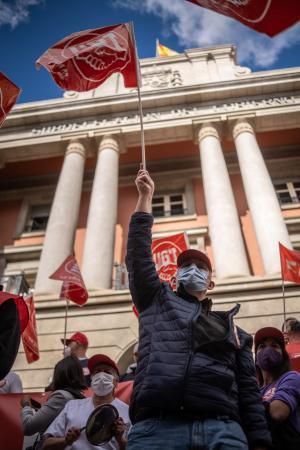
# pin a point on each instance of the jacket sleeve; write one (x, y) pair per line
(38, 422)
(252, 411)
(144, 283)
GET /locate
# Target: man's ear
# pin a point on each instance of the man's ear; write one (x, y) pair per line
(211, 285)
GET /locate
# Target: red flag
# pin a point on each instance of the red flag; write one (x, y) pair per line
(267, 16)
(9, 93)
(84, 60)
(290, 264)
(165, 252)
(29, 337)
(73, 287)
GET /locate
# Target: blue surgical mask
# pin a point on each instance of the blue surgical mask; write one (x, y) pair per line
(193, 278)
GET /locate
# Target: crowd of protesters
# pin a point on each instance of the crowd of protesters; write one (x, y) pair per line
(196, 382)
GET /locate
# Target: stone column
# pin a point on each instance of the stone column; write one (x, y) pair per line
(224, 227)
(60, 232)
(100, 232)
(261, 197)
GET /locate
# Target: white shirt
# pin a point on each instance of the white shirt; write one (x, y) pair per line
(76, 414)
(11, 384)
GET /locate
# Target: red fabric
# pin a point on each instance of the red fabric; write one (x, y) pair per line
(267, 16)
(73, 287)
(21, 307)
(77, 337)
(290, 264)
(101, 359)
(30, 337)
(11, 434)
(9, 93)
(84, 60)
(165, 252)
(293, 350)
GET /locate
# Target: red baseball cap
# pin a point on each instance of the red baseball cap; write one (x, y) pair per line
(21, 307)
(77, 337)
(268, 332)
(187, 255)
(101, 359)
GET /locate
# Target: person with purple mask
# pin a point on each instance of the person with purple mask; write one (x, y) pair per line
(280, 388)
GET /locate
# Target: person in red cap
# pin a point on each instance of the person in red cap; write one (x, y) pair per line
(77, 345)
(280, 388)
(195, 383)
(66, 429)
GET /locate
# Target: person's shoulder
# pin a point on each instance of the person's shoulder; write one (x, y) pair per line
(120, 404)
(13, 376)
(77, 402)
(291, 377)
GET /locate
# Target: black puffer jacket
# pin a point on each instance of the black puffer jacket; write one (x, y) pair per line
(175, 372)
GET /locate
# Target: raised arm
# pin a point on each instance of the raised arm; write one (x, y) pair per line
(144, 283)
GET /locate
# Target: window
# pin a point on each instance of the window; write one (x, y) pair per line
(288, 193)
(37, 218)
(169, 205)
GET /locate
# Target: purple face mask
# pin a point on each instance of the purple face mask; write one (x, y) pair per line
(268, 358)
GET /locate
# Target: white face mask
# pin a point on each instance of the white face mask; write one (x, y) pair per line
(102, 383)
(67, 351)
(193, 278)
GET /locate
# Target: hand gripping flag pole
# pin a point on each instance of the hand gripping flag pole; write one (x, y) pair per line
(139, 85)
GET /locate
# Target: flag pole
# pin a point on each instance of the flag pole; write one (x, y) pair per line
(284, 305)
(139, 96)
(66, 321)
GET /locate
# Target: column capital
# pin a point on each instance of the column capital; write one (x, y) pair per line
(76, 147)
(242, 126)
(109, 142)
(208, 129)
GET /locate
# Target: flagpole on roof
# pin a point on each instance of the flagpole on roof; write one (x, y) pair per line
(156, 47)
(139, 84)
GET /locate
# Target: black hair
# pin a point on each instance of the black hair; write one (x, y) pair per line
(284, 367)
(287, 320)
(68, 374)
(295, 326)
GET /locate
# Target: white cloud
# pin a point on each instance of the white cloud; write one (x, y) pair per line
(198, 27)
(13, 13)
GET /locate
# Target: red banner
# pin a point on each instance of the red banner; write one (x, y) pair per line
(9, 94)
(290, 264)
(11, 433)
(165, 252)
(84, 60)
(29, 337)
(73, 287)
(267, 16)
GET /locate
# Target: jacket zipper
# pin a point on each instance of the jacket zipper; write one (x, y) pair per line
(191, 352)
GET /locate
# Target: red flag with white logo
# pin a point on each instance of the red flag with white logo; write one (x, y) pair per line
(267, 16)
(30, 337)
(290, 264)
(73, 287)
(9, 94)
(165, 252)
(84, 60)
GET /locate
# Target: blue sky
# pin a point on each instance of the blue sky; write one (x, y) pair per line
(29, 27)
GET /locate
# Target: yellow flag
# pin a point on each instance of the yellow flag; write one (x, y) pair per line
(162, 50)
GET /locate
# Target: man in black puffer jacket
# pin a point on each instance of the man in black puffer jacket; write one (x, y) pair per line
(195, 385)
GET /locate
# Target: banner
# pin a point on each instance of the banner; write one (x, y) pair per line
(30, 337)
(84, 60)
(267, 16)
(11, 433)
(290, 264)
(165, 252)
(73, 287)
(9, 94)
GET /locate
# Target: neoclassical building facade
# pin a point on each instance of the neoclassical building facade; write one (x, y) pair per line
(223, 147)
